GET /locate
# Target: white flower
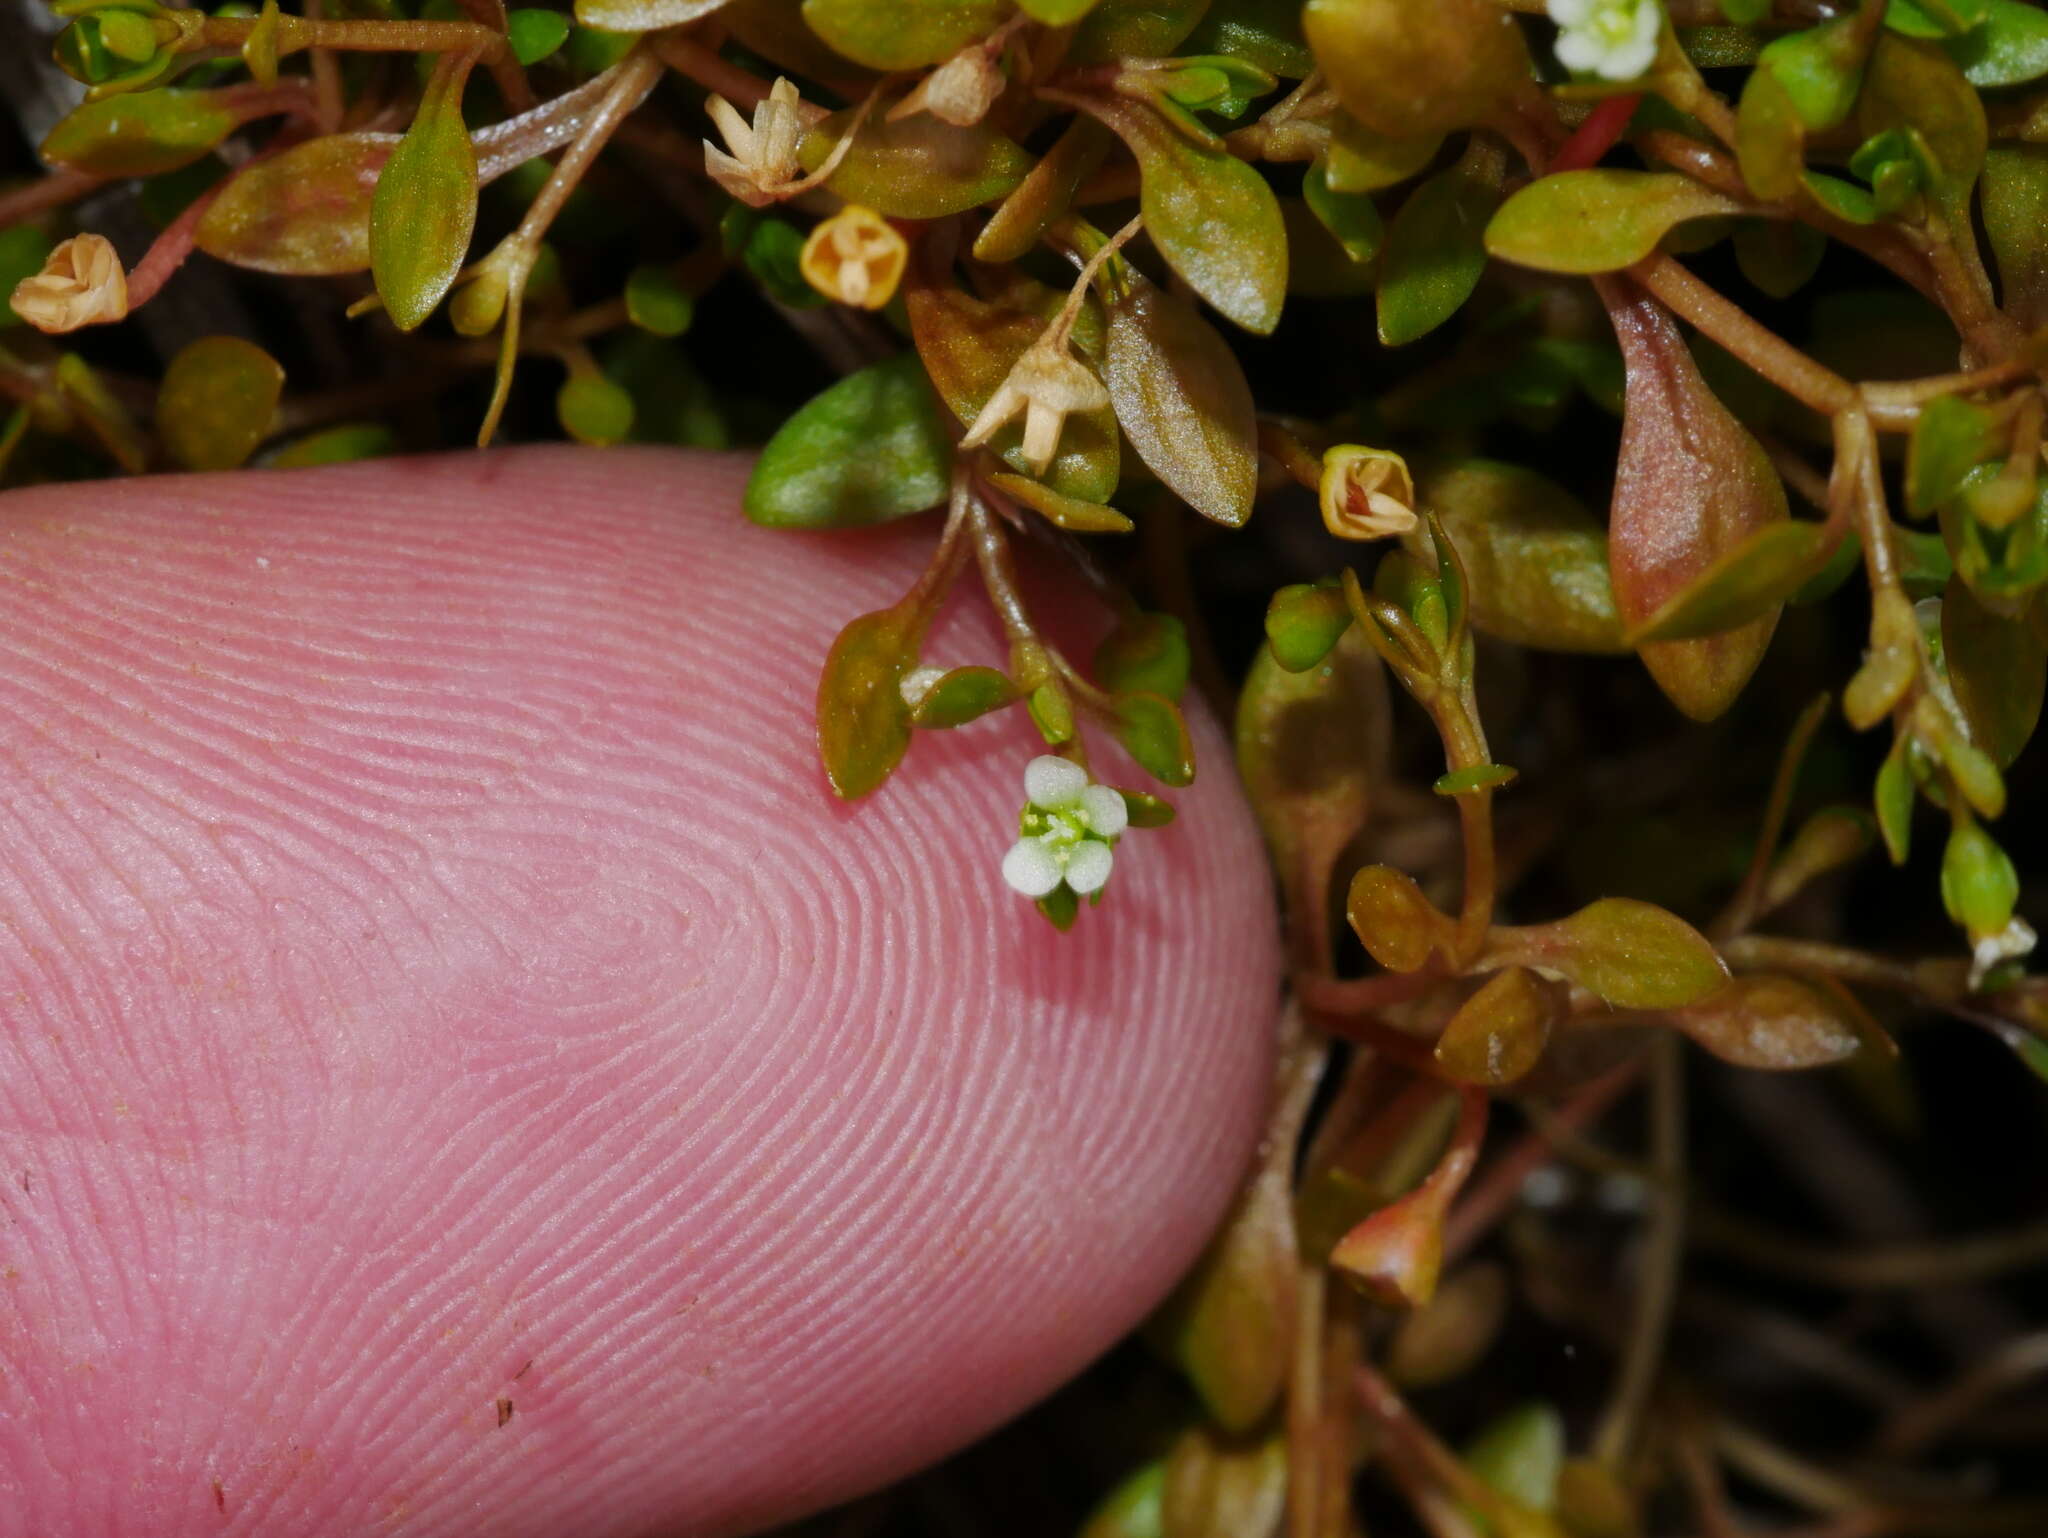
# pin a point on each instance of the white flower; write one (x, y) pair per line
(1614, 39)
(2016, 939)
(1069, 827)
(960, 91)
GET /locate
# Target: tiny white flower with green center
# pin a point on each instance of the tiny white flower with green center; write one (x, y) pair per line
(1614, 39)
(2016, 939)
(1068, 828)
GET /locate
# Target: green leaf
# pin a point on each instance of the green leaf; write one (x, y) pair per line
(869, 448)
(1263, 33)
(216, 402)
(534, 34)
(1056, 13)
(304, 213)
(1821, 70)
(902, 34)
(1845, 200)
(1461, 782)
(1499, 1033)
(1434, 254)
(1211, 215)
(641, 15)
(1147, 653)
(349, 442)
(1115, 30)
(1998, 667)
(1134, 1509)
(1521, 1455)
(1064, 512)
(2010, 48)
(1351, 217)
(1742, 584)
(964, 695)
(594, 410)
(1936, 18)
(863, 722)
(1893, 802)
(1979, 886)
(1917, 89)
(1404, 69)
(969, 346)
(23, 251)
(656, 303)
(2013, 195)
(1153, 732)
(1633, 954)
(1598, 220)
(1951, 437)
(1768, 1021)
(142, 133)
(1180, 396)
(1304, 621)
(1359, 160)
(917, 167)
(1046, 192)
(424, 209)
(1535, 559)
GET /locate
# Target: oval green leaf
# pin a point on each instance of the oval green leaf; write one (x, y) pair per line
(870, 448)
(216, 402)
(1598, 220)
(424, 209)
(1181, 397)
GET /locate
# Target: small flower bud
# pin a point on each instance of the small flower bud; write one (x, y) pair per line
(762, 161)
(1046, 384)
(81, 284)
(960, 91)
(856, 257)
(1366, 493)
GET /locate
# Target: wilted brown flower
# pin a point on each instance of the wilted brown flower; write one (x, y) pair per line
(1366, 493)
(82, 284)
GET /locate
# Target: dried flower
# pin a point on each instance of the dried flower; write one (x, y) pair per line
(82, 284)
(1614, 39)
(1047, 383)
(856, 257)
(1366, 493)
(960, 91)
(763, 161)
(1067, 830)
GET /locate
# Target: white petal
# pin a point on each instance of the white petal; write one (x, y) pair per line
(1630, 59)
(1105, 810)
(1088, 866)
(917, 683)
(1649, 22)
(1570, 13)
(1053, 782)
(735, 129)
(1030, 868)
(1579, 52)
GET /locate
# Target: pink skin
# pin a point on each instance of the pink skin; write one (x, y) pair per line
(434, 978)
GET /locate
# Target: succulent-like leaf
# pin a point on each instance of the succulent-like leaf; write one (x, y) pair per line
(2009, 48)
(1768, 1021)
(304, 213)
(1180, 395)
(641, 15)
(216, 402)
(1535, 558)
(1155, 734)
(1521, 1455)
(964, 695)
(1397, 925)
(917, 167)
(1498, 1035)
(1434, 253)
(869, 448)
(1146, 653)
(141, 133)
(1691, 485)
(1115, 30)
(424, 209)
(969, 346)
(1998, 667)
(1915, 87)
(1951, 437)
(1304, 620)
(902, 34)
(863, 721)
(1404, 69)
(2013, 194)
(1632, 954)
(1597, 220)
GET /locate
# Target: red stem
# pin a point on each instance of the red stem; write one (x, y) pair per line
(1600, 132)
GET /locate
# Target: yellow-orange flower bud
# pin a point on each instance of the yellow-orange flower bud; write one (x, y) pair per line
(856, 257)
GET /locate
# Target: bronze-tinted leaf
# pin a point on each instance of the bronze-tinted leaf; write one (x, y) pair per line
(969, 346)
(305, 213)
(863, 721)
(902, 34)
(139, 133)
(1499, 1033)
(1406, 69)
(1597, 220)
(1766, 1021)
(2014, 199)
(1397, 925)
(216, 402)
(1690, 486)
(1180, 395)
(641, 15)
(1998, 667)
(1046, 192)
